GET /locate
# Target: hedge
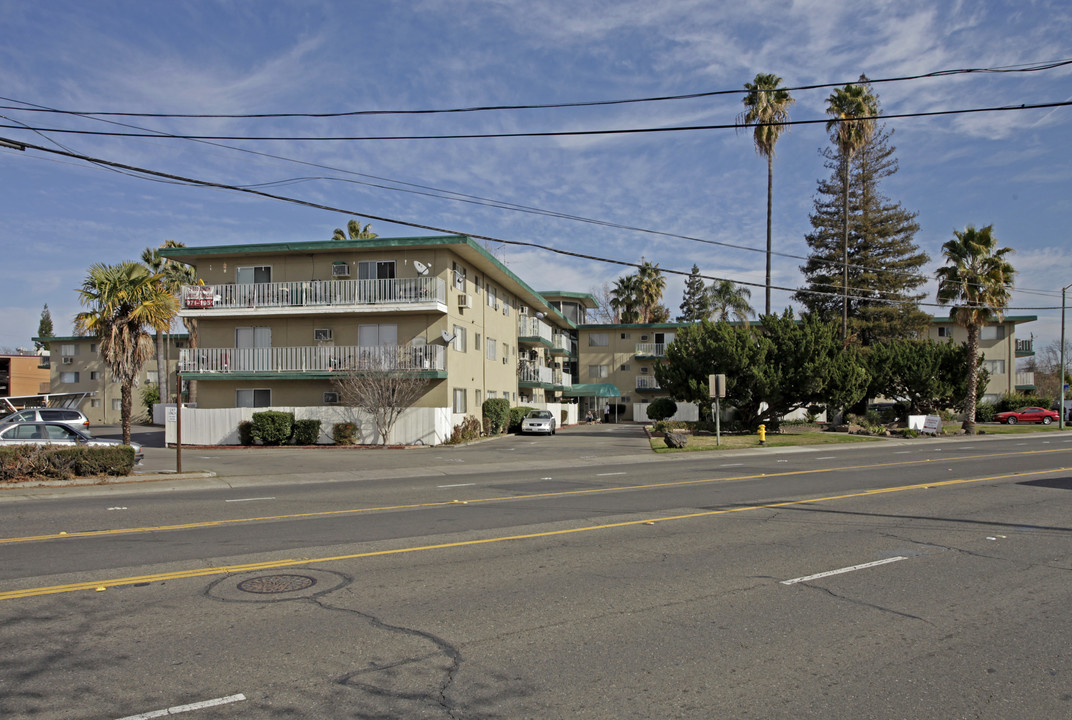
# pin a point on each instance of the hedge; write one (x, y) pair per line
(23, 462)
(306, 432)
(517, 414)
(496, 414)
(272, 427)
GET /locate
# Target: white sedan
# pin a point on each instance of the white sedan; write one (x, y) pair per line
(539, 421)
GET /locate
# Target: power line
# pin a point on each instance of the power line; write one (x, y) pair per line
(520, 243)
(1021, 68)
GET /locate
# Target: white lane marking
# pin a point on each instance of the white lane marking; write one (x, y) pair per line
(732, 465)
(187, 708)
(828, 457)
(117, 508)
(250, 499)
(842, 570)
(606, 474)
(903, 452)
(458, 485)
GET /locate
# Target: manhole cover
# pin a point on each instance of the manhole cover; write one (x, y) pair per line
(272, 584)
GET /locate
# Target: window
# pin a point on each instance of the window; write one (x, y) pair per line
(94, 403)
(477, 398)
(598, 339)
(506, 307)
(376, 270)
(68, 361)
(253, 397)
(249, 337)
(459, 400)
(459, 338)
(992, 332)
(117, 404)
(506, 351)
(994, 367)
(493, 297)
(476, 341)
(625, 366)
(476, 285)
(376, 335)
(459, 276)
(69, 377)
(625, 336)
(643, 370)
(152, 377)
(68, 350)
(597, 372)
(93, 348)
(491, 394)
(94, 375)
(945, 331)
(253, 274)
(490, 346)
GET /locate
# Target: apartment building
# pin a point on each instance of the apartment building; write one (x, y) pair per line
(624, 356)
(24, 374)
(77, 367)
(1000, 349)
(277, 323)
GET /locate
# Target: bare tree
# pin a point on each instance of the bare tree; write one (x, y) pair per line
(384, 382)
(604, 313)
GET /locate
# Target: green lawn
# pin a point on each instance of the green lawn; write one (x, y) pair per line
(999, 429)
(738, 442)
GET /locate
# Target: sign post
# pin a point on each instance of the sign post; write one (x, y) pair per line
(178, 423)
(716, 388)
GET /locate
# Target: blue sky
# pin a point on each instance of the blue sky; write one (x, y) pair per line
(1009, 169)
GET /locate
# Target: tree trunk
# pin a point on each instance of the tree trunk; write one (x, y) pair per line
(845, 249)
(125, 407)
(161, 368)
(770, 194)
(973, 379)
(191, 328)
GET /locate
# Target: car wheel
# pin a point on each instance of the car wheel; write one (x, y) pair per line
(1011, 421)
(1047, 420)
(552, 431)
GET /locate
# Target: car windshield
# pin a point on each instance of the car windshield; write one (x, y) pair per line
(540, 414)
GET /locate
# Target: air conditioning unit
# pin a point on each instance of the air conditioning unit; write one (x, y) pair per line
(331, 398)
(523, 310)
(68, 361)
(465, 301)
(322, 334)
(340, 269)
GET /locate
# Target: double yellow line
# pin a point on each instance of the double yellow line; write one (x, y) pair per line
(100, 585)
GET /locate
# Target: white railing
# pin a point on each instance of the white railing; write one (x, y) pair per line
(1025, 378)
(651, 349)
(316, 293)
(312, 359)
(563, 378)
(537, 374)
(646, 382)
(562, 342)
(528, 326)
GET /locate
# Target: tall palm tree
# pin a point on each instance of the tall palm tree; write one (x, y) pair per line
(853, 110)
(650, 286)
(624, 298)
(767, 107)
(727, 301)
(354, 231)
(123, 299)
(152, 259)
(976, 281)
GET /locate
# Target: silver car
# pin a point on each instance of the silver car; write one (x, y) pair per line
(539, 421)
(55, 433)
(67, 416)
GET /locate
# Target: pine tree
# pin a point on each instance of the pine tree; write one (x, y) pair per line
(44, 328)
(884, 260)
(694, 303)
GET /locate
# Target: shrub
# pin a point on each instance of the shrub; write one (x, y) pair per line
(985, 412)
(62, 463)
(1013, 401)
(465, 431)
(245, 433)
(564, 418)
(273, 427)
(150, 395)
(306, 432)
(344, 433)
(497, 413)
(662, 409)
(517, 414)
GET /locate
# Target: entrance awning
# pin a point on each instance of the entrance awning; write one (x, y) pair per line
(593, 390)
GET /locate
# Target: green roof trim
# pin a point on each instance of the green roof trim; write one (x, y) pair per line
(593, 390)
(587, 299)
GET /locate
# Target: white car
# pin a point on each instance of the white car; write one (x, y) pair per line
(55, 433)
(69, 417)
(539, 421)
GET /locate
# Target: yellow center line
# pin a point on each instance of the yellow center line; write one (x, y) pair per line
(274, 564)
(507, 498)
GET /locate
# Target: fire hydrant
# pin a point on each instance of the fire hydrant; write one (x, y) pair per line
(762, 434)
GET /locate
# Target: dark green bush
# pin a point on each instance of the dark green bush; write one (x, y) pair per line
(344, 433)
(985, 412)
(150, 395)
(662, 409)
(1014, 401)
(272, 427)
(497, 413)
(306, 432)
(517, 414)
(245, 433)
(62, 463)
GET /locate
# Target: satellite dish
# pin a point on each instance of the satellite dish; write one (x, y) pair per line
(448, 337)
(421, 268)
(539, 316)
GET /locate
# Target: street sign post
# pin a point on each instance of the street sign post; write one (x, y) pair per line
(716, 388)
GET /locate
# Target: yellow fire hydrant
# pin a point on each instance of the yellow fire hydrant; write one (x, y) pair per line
(762, 434)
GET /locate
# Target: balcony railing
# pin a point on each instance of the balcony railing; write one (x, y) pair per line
(1025, 346)
(646, 382)
(1025, 379)
(562, 342)
(530, 327)
(562, 378)
(536, 374)
(651, 349)
(315, 359)
(315, 293)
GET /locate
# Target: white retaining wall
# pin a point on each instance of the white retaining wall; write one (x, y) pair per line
(686, 412)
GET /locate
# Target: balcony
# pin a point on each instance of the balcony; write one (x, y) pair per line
(562, 379)
(561, 345)
(1025, 381)
(1025, 348)
(302, 362)
(536, 375)
(650, 350)
(315, 296)
(646, 382)
(533, 331)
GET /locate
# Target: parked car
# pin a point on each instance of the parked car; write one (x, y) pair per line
(1028, 415)
(56, 433)
(539, 421)
(66, 416)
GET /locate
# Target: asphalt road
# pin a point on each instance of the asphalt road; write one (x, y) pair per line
(576, 576)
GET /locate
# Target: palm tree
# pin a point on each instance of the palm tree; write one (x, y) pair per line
(975, 281)
(726, 301)
(768, 107)
(155, 263)
(853, 110)
(624, 298)
(354, 231)
(123, 299)
(650, 286)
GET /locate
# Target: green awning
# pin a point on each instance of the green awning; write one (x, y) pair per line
(593, 390)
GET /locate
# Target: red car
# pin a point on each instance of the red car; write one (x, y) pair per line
(1028, 415)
